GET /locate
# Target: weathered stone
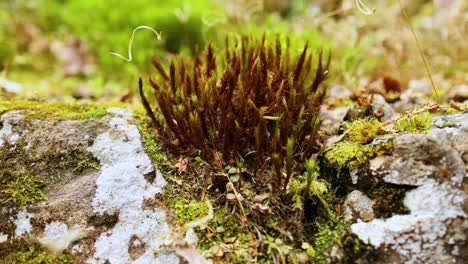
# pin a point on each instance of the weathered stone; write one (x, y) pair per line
(435, 230)
(358, 206)
(420, 157)
(112, 192)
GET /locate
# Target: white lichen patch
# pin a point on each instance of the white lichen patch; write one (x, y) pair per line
(122, 188)
(23, 223)
(418, 237)
(6, 133)
(3, 237)
(57, 236)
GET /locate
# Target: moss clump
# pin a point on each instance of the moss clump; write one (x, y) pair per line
(188, 212)
(346, 155)
(364, 130)
(21, 253)
(221, 227)
(388, 199)
(87, 163)
(325, 238)
(61, 110)
(153, 150)
(414, 123)
(19, 189)
(353, 155)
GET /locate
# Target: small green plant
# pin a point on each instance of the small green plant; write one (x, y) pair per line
(414, 123)
(260, 105)
(309, 187)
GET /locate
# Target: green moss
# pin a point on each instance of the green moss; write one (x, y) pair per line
(221, 228)
(188, 212)
(346, 155)
(328, 235)
(414, 123)
(353, 155)
(152, 148)
(22, 254)
(20, 189)
(61, 110)
(388, 199)
(87, 163)
(364, 130)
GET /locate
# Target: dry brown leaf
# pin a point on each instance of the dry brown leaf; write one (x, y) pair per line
(182, 165)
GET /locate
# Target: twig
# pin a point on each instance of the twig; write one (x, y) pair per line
(407, 19)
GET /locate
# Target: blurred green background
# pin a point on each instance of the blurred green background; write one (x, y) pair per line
(60, 49)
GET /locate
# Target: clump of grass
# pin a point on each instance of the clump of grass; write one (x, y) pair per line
(260, 105)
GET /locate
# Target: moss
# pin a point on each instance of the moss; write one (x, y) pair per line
(25, 173)
(414, 123)
(353, 155)
(188, 212)
(22, 252)
(388, 199)
(328, 234)
(87, 163)
(364, 130)
(20, 189)
(60, 110)
(346, 155)
(222, 227)
(152, 149)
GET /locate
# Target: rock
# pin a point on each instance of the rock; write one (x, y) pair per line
(381, 108)
(98, 192)
(458, 93)
(331, 118)
(439, 154)
(435, 230)
(358, 206)
(10, 86)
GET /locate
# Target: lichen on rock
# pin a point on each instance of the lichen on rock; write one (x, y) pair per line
(98, 183)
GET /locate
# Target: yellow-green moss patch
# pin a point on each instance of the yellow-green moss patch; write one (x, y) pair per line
(364, 130)
(188, 212)
(414, 123)
(19, 189)
(22, 252)
(61, 110)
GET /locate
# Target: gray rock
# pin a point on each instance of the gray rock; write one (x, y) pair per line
(101, 215)
(435, 230)
(417, 158)
(358, 206)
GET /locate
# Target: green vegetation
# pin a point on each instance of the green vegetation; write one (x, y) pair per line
(20, 252)
(236, 123)
(59, 110)
(346, 155)
(388, 199)
(19, 189)
(364, 130)
(266, 103)
(188, 212)
(414, 123)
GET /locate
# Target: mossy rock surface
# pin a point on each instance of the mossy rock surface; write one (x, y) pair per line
(415, 184)
(75, 181)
